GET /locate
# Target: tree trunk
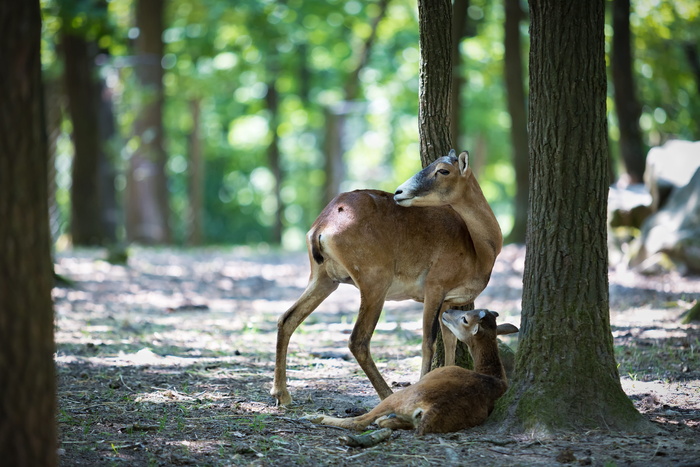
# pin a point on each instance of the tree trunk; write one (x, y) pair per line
(333, 150)
(196, 178)
(82, 91)
(518, 118)
(434, 111)
(53, 115)
(690, 49)
(110, 216)
(459, 31)
(691, 54)
(435, 79)
(273, 154)
(334, 147)
(147, 198)
(27, 376)
(626, 104)
(558, 386)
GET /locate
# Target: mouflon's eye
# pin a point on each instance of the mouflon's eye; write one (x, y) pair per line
(443, 172)
(464, 319)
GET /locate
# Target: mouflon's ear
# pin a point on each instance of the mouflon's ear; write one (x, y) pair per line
(463, 162)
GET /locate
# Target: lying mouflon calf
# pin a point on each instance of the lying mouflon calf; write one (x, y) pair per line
(449, 398)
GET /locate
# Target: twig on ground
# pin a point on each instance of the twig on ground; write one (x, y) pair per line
(366, 440)
(121, 378)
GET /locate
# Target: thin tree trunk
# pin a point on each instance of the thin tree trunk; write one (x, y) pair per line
(196, 178)
(273, 155)
(691, 53)
(27, 375)
(110, 216)
(334, 147)
(459, 31)
(435, 79)
(518, 118)
(558, 386)
(333, 151)
(628, 108)
(435, 110)
(147, 203)
(53, 98)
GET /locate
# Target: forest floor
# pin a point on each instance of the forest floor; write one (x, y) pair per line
(169, 361)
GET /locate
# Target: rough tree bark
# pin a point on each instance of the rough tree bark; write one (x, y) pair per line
(558, 386)
(517, 108)
(435, 80)
(628, 109)
(27, 377)
(147, 198)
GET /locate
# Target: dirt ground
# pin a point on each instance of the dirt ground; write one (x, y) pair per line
(169, 360)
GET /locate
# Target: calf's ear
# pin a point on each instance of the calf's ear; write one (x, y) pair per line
(506, 328)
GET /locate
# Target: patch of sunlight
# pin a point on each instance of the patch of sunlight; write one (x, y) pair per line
(248, 132)
(225, 61)
(294, 238)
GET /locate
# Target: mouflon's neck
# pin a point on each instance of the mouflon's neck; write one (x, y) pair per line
(487, 360)
(484, 230)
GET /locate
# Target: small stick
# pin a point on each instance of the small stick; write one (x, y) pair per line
(367, 440)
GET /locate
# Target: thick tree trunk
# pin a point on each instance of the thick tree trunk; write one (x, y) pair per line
(518, 118)
(27, 376)
(147, 198)
(628, 108)
(558, 386)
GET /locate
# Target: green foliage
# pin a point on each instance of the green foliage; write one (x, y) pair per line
(225, 55)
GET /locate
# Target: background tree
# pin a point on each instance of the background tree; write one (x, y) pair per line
(628, 109)
(93, 220)
(147, 196)
(565, 286)
(218, 53)
(337, 114)
(196, 177)
(517, 108)
(27, 377)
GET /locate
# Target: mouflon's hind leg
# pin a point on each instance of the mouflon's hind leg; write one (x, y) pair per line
(319, 288)
(371, 303)
(396, 422)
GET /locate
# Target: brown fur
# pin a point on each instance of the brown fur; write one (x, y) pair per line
(449, 398)
(434, 241)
